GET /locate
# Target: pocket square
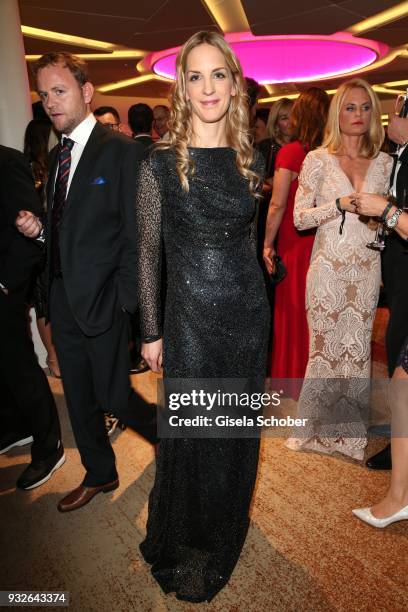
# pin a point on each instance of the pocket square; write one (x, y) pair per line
(99, 180)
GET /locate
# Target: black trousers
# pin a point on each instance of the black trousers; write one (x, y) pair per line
(95, 375)
(395, 272)
(27, 404)
(135, 337)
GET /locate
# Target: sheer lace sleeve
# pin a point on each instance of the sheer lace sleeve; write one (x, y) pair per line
(148, 214)
(306, 213)
(387, 169)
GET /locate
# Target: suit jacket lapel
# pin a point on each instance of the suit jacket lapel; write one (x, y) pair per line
(53, 165)
(49, 190)
(404, 156)
(394, 167)
(402, 176)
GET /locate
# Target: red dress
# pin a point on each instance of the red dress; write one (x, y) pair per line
(290, 342)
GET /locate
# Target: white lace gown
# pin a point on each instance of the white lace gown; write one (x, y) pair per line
(342, 290)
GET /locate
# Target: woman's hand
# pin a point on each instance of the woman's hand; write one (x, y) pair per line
(348, 203)
(281, 186)
(370, 204)
(152, 353)
(268, 255)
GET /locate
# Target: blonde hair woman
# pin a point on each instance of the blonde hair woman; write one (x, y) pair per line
(197, 191)
(278, 126)
(343, 280)
(371, 139)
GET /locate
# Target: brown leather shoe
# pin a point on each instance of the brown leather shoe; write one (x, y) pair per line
(82, 495)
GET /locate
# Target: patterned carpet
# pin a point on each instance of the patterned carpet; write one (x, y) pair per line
(304, 552)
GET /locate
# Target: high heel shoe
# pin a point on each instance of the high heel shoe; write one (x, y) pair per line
(294, 444)
(52, 372)
(364, 514)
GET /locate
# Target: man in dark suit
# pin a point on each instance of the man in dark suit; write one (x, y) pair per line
(28, 412)
(140, 119)
(395, 263)
(91, 246)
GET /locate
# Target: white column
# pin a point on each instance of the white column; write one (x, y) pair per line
(15, 102)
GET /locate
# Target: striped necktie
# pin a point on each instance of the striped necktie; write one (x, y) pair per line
(60, 194)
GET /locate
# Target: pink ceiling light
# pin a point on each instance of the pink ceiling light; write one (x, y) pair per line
(282, 59)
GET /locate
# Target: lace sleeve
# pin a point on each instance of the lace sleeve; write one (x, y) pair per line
(306, 213)
(148, 215)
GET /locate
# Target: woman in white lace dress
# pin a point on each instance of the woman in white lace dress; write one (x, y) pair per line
(344, 276)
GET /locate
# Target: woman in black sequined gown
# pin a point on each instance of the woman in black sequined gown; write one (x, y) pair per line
(215, 323)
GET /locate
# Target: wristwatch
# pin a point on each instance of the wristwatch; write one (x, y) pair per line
(392, 221)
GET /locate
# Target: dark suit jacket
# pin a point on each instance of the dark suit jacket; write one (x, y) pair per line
(19, 256)
(395, 275)
(145, 140)
(396, 246)
(98, 229)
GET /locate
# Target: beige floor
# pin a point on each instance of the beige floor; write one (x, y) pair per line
(304, 551)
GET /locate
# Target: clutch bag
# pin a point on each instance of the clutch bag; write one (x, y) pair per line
(279, 272)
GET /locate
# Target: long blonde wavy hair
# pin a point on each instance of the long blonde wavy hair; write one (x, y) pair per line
(372, 139)
(237, 120)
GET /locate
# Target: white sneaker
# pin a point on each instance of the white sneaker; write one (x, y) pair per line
(12, 440)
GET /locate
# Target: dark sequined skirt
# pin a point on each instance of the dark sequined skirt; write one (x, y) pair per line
(198, 514)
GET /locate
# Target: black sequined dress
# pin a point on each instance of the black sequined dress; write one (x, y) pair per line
(215, 325)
